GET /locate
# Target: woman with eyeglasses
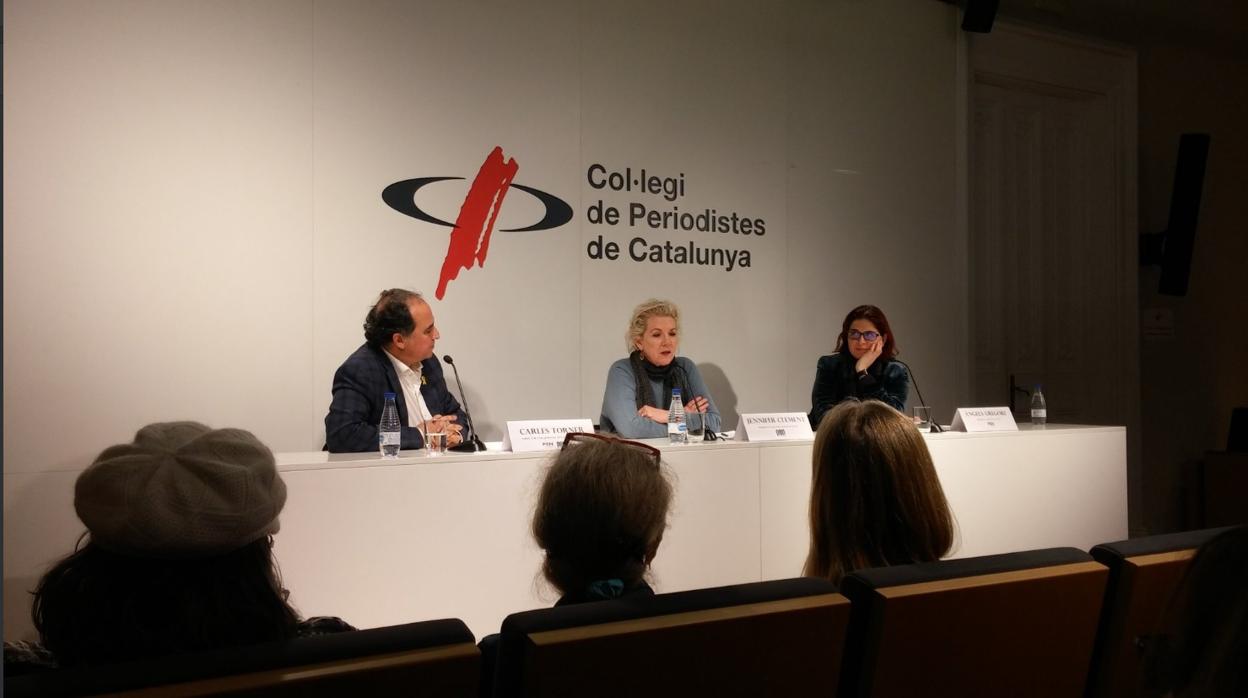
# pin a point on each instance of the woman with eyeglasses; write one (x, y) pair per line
(862, 367)
(600, 516)
(639, 388)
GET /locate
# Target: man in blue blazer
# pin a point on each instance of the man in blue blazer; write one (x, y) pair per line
(396, 358)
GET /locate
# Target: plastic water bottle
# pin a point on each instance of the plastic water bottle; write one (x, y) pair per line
(677, 430)
(389, 433)
(1039, 413)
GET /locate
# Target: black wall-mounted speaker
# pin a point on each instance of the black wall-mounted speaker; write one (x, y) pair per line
(979, 15)
(1180, 237)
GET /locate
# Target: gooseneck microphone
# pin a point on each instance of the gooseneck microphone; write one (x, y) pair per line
(474, 443)
(935, 422)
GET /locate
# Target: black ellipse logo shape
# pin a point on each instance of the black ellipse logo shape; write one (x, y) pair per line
(401, 196)
(558, 211)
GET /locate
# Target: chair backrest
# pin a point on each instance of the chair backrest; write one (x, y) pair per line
(768, 638)
(1143, 576)
(431, 658)
(1020, 624)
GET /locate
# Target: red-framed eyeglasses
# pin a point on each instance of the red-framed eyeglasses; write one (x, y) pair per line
(575, 436)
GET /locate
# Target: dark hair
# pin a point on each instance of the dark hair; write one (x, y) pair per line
(390, 314)
(600, 515)
(1205, 649)
(875, 499)
(876, 317)
(97, 606)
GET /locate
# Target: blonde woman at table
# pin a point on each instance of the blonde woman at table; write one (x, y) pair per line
(875, 499)
(639, 388)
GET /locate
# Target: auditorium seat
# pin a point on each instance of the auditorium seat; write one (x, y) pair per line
(1019, 624)
(431, 658)
(1143, 576)
(777, 638)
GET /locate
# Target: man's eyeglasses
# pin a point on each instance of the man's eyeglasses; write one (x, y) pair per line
(869, 336)
(581, 436)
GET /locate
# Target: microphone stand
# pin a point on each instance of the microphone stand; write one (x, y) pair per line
(473, 443)
(935, 423)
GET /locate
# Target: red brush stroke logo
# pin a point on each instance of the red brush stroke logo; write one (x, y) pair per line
(471, 238)
(471, 231)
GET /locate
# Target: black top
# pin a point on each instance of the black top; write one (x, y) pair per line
(603, 591)
(835, 381)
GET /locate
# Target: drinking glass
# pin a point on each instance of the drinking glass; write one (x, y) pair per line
(923, 418)
(695, 422)
(435, 443)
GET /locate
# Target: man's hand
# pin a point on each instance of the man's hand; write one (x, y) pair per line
(444, 424)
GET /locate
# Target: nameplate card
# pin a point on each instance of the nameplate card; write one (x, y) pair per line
(774, 426)
(983, 419)
(542, 434)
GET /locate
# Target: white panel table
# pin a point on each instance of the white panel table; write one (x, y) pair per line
(383, 542)
(1009, 491)
(380, 542)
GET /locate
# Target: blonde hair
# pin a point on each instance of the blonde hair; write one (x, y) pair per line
(642, 314)
(875, 499)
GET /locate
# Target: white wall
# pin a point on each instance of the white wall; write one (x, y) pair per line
(194, 226)
(870, 190)
(157, 222)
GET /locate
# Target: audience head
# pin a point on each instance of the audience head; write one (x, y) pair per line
(875, 499)
(1205, 652)
(653, 330)
(860, 320)
(177, 555)
(601, 512)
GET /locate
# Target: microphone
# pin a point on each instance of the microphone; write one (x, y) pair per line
(935, 423)
(474, 443)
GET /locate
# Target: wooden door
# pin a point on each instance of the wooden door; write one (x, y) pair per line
(1052, 261)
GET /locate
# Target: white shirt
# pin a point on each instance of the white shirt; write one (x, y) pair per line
(410, 380)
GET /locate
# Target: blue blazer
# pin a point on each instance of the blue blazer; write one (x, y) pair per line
(360, 384)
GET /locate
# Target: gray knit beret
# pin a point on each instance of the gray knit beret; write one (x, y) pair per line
(181, 490)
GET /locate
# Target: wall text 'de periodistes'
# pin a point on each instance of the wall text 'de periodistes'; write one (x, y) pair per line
(662, 214)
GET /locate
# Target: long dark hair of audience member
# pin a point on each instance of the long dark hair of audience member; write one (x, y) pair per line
(178, 554)
(875, 499)
(1205, 649)
(600, 516)
(96, 606)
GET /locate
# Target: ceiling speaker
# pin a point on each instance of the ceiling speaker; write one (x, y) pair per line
(979, 15)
